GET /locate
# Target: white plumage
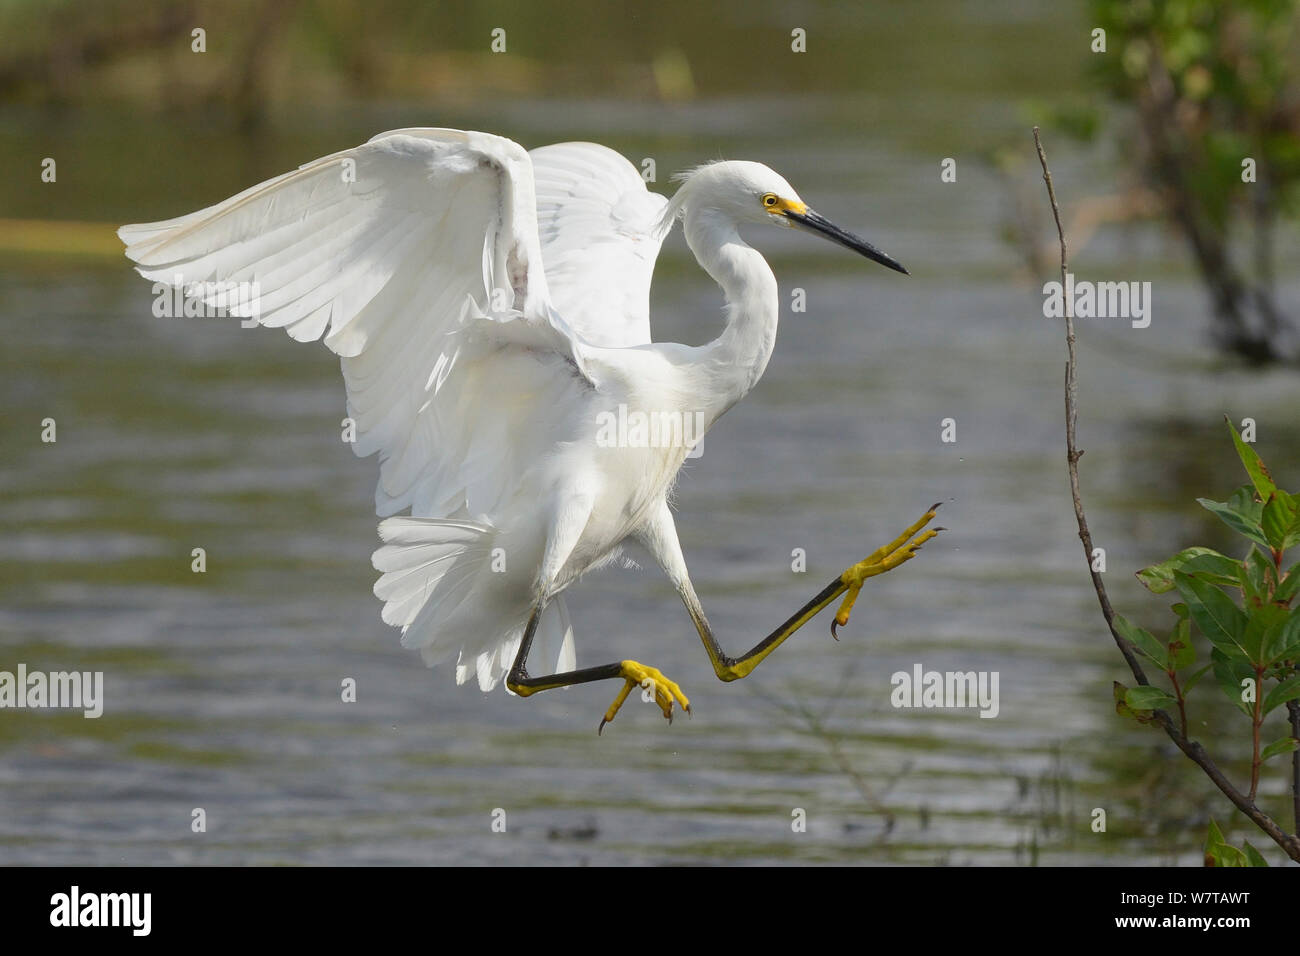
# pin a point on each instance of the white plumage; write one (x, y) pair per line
(489, 306)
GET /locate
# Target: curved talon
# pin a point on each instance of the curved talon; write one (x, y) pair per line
(903, 548)
(666, 693)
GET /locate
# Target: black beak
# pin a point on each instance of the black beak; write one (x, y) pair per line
(820, 224)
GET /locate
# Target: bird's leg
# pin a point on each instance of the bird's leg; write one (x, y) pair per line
(903, 548)
(649, 679)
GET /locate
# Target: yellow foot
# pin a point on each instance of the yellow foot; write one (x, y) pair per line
(653, 683)
(903, 548)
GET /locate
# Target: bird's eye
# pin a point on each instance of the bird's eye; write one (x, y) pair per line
(769, 200)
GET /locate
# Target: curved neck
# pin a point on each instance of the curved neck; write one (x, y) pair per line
(735, 360)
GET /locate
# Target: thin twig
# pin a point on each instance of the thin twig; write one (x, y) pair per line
(1256, 720)
(1195, 752)
(1182, 702)
(816, 725)
(818, 729)
(1293, 710)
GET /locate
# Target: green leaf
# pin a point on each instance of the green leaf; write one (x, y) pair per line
(1218, 852)
(1142, 639)
(1259, 475)
(1254, 857)
(1229, 672)
(1289, 689)
(1280, 520)
(1258, 577)
(1226, 856)
(1181, 652)
(1282, 638)
(1203, 562)
(1283, 745)
(1216, 614)
(1285, 645)
(1241, 513)
(1288, 586)
(1264, 636)
(1149, 698)
(1121, 708)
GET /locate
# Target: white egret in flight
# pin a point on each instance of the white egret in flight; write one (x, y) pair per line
(490, 307)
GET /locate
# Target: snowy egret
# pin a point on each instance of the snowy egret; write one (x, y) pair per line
(490, 308)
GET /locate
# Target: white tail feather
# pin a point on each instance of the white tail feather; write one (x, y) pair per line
(430, 567)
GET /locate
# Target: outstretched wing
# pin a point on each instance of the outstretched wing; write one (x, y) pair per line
(416, 257)
(598, 226)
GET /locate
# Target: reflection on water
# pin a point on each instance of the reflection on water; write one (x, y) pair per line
(224, 688)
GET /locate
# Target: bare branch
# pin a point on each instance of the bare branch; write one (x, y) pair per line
(1293, 710)
(1195, 752)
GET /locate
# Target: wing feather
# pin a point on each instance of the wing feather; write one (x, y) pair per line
(416, 258)
(599, 235)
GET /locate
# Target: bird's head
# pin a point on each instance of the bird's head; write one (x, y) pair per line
(748, 192)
